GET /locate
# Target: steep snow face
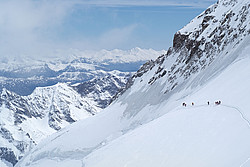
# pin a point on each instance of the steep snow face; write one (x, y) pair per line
(26, 120)
(147, 126)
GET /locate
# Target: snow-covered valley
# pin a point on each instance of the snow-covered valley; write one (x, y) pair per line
(146, 125)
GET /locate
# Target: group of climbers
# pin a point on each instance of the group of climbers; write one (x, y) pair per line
(208, 103)
(218, 102)
(185, 104)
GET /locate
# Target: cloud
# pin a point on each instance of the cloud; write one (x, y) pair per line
(24, 23)
(113, 38)
(31, 27)
(117, 37)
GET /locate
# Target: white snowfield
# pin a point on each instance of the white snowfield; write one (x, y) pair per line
(146, 127)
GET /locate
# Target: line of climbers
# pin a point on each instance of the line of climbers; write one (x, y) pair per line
(208, 103)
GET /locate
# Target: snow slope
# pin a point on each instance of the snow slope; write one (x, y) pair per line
(147, 126)
(199, 135)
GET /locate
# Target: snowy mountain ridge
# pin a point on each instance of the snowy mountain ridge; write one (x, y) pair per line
(210, 35)
(207, 38)
(147, 126)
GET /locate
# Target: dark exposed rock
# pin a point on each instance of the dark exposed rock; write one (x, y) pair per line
(179, 41)
(8, 155)
(6, 134)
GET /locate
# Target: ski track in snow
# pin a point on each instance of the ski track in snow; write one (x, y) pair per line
(245, 120)
(240, 112)
(227, 106)
(243, 164)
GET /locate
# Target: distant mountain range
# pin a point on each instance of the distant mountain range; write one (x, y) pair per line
(23, 74)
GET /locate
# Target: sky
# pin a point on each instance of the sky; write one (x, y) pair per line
(42, 26)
